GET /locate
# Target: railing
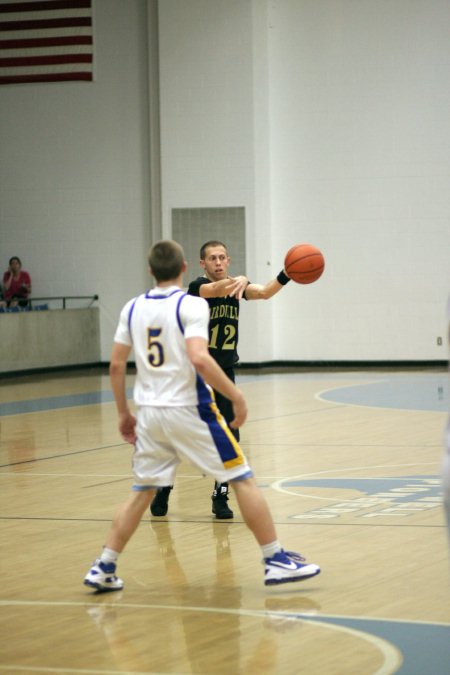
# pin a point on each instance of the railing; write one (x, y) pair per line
(32, 303)
(64, 298)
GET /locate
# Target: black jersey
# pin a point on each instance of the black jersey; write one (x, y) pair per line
(223, 325)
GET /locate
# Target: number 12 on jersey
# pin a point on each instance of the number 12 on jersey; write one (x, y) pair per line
(228, 341)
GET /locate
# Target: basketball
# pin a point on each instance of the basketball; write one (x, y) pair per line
(304, 263)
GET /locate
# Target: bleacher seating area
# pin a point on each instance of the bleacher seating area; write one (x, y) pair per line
(12, 310)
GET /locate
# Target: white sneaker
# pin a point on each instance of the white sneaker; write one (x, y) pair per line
(101, 577)
(283, 568)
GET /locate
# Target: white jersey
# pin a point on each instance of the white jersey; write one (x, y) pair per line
(156, 324)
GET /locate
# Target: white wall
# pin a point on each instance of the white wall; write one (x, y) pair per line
(74, 185)
(360, 129)
(328, 120)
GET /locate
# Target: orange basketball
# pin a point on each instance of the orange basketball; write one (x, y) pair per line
(304, 263)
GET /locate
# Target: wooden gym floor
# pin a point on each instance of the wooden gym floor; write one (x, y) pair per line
(349, 462)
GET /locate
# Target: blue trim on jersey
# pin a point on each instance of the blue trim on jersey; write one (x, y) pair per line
(244, 476)
(162, 296)
(178, 313)
(144, 488)
(222, 441)
(130, 314)
(204, 395)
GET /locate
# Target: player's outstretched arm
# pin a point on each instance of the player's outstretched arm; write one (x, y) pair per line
(266, 291)
(233, 286)
(238, 286)
(204, 364)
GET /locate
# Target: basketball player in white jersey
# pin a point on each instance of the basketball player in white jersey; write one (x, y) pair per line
(177, 417)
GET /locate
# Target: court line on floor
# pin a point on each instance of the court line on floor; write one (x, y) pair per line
(234, 523)
(379, 627)
(213, 610)
(62, 456)
(390, 653)
(77, 671)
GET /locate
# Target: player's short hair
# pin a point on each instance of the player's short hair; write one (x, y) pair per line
(166, 259)
(210, 244)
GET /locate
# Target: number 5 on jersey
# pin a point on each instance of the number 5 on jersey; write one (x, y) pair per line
(154, 347)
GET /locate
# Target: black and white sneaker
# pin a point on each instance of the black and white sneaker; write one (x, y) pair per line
(282, 568)
(220, 506)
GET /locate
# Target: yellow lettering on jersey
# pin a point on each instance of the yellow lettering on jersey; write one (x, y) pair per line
(228, 311)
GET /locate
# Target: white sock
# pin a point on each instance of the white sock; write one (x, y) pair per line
(269, 550)
(109, 556)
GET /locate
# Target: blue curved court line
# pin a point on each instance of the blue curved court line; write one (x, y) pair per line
(422, 393)
(430, 486)
(425, 647)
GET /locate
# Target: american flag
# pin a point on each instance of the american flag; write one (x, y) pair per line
(45, 41)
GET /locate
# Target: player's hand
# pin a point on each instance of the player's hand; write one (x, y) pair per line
(127, 427)
(240, 411)
(237, 286)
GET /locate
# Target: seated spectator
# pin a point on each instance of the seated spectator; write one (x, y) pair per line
(16, 284)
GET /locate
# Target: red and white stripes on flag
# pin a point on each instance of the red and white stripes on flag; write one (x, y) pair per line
(45, 41)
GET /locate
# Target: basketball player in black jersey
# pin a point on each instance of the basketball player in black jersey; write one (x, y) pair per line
(223, 294)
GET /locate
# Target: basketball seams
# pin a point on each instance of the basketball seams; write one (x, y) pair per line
(305, 257)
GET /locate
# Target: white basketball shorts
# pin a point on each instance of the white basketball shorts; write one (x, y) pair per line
(199, 434)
